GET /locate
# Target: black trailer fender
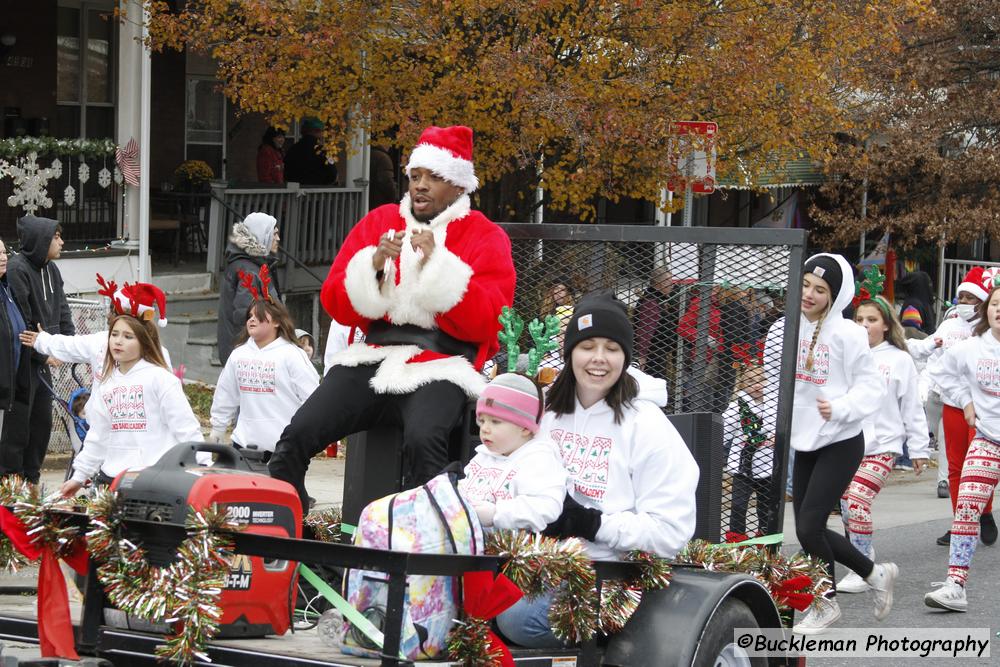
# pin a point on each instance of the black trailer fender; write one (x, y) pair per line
(669, 627)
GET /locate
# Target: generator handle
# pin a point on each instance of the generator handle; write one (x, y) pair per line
(186, 454)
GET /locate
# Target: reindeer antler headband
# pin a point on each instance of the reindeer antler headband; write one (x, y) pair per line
(264, 275)
(542, 334)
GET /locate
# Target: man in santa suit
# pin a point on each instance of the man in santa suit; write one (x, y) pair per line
(425, 281)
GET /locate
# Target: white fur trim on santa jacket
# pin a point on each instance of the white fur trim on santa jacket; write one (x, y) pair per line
(460, 289)
(951, 332)
(970, 372)
(638, 473)
(266, 386)
(900, 418)
(732, 432)
(140, 415)
(82, 349)
(843, 373)
(527, 487)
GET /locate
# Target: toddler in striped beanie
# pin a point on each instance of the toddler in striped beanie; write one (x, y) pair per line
(515, 480)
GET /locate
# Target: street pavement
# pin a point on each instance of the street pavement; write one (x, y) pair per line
(908, 518)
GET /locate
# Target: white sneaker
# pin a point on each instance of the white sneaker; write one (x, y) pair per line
(949, 595)
(852, 583)
(822, 614)
(882, 579)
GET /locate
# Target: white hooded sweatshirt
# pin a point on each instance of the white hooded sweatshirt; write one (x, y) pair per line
(970, 373)
(843, 373)
(638, 473)
(951, 332)
(140, 415)
(900, 417)
(528, 486)
(266, 386)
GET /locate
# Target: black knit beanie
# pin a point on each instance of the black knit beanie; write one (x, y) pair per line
(599, 314)
(826, 268)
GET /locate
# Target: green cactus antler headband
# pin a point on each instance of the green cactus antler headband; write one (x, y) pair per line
(870, 286)
(542, 333)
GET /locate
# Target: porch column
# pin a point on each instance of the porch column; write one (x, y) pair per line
(133, 123)
(358, 158)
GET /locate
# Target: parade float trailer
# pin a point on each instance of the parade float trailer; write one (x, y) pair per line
(689, 623)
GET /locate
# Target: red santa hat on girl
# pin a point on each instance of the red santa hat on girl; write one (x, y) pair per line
(137, 299)
(974, 283)
(447, 151)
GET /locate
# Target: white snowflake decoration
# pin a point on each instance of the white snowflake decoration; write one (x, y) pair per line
(84, 172)
(69, 195)
(56, 168)
(29, 184)
(118, 176)
(104, 177)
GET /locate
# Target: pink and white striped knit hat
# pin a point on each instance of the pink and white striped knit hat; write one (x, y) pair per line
(512, 398)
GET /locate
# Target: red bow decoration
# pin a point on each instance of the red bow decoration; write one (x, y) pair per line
(485, 598)
(55, 627)
(862, 295)
(264, 275)
(787, 592)
(732, 537)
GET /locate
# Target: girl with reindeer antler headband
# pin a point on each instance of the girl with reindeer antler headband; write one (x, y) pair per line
(899, 418)
(140, 411)
(92, 348)
(266, 378)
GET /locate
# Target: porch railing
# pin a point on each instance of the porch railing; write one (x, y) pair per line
(950, 277)
(92, 218)
(313, 222)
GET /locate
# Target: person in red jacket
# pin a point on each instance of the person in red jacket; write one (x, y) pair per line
(271, 158)
(425, 281)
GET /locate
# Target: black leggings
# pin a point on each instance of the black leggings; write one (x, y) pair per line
(819, 480)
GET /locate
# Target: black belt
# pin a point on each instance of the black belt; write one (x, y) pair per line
(435, 340)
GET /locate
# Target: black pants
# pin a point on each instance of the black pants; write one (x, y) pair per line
(345, 403)
(27, 427)
(743, 487)
(819, 480)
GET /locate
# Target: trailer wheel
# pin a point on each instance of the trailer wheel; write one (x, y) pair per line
(717, 646)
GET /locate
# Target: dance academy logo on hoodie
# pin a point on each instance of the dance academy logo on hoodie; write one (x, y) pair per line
(488, 483)
(988, 376)
(586, 461)
(127, 408)
(820, 370)
(255, 376)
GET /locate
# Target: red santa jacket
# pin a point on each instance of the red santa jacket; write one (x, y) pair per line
(460, 289)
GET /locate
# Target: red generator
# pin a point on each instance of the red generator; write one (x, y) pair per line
(259, 596)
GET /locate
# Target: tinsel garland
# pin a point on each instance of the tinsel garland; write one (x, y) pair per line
(620, 598)
(325, 524)
(12, 488)
(185, 594)
(50, 146)
(538, 565)
(469, 644)
(34, 511)
(771, 568)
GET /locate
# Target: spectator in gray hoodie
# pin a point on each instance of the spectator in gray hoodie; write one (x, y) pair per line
(251, 245)
(37, 287)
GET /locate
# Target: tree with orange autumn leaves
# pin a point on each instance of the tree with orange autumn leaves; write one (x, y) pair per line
(572, 95)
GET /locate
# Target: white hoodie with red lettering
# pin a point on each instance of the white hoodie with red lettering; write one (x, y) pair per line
(265, 386)
(140, 414)
(970, 373)
(843, 372)
(638, 473)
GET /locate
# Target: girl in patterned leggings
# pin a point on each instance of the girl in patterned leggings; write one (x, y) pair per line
(900, 418)
(970, 375)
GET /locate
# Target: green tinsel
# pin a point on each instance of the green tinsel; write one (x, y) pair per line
(325, 524)
(52, 147)
(185, 594)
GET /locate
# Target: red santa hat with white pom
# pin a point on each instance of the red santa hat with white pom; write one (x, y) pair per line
(447, 151)
(974, 283)
(135, 299)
